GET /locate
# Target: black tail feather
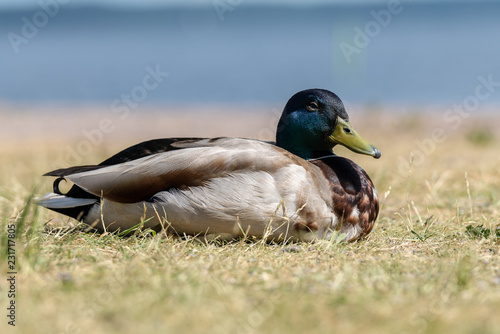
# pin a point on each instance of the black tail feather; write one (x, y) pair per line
(77, 213)
(72, 170)
(75, 191)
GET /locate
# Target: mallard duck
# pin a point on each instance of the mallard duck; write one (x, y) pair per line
(294, 189)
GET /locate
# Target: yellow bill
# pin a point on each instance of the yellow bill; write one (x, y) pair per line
(344, 134)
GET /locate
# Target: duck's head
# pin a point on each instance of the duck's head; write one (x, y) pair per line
(314, 121)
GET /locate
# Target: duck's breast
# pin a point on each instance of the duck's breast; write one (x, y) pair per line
(354, 197)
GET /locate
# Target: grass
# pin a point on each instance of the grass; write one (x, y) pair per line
(431, 265)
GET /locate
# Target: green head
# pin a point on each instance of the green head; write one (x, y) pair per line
(314, 121)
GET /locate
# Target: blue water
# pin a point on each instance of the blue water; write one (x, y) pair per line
(426, 54)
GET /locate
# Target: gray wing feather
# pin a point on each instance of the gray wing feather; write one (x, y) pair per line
(140, 179)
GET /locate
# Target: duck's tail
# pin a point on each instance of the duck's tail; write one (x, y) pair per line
(70, 206)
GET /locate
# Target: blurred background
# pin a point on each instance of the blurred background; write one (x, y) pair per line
(247, 51)
(83, 79)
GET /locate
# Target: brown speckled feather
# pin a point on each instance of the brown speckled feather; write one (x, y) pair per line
(355, 200)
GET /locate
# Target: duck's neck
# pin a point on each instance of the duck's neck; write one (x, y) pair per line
(297, 145)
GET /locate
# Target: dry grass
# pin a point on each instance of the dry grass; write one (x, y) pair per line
(431, 265)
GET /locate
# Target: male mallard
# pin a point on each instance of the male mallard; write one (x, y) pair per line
(230, 187)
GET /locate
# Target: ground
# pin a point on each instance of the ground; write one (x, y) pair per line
(431, 264)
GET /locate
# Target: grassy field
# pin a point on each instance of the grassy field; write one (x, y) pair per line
(431, 264)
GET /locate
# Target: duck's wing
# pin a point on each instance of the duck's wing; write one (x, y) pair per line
(138, 151)
(191, 163)
(146, 148)
(134, 152)
(155, 146)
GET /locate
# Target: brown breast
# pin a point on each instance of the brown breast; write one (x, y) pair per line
(355, 200)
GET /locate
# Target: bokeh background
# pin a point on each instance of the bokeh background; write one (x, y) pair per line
(248, 51)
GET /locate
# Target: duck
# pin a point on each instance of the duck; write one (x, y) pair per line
(293, 189)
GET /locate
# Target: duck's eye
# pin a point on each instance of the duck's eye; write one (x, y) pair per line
(312, 106)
